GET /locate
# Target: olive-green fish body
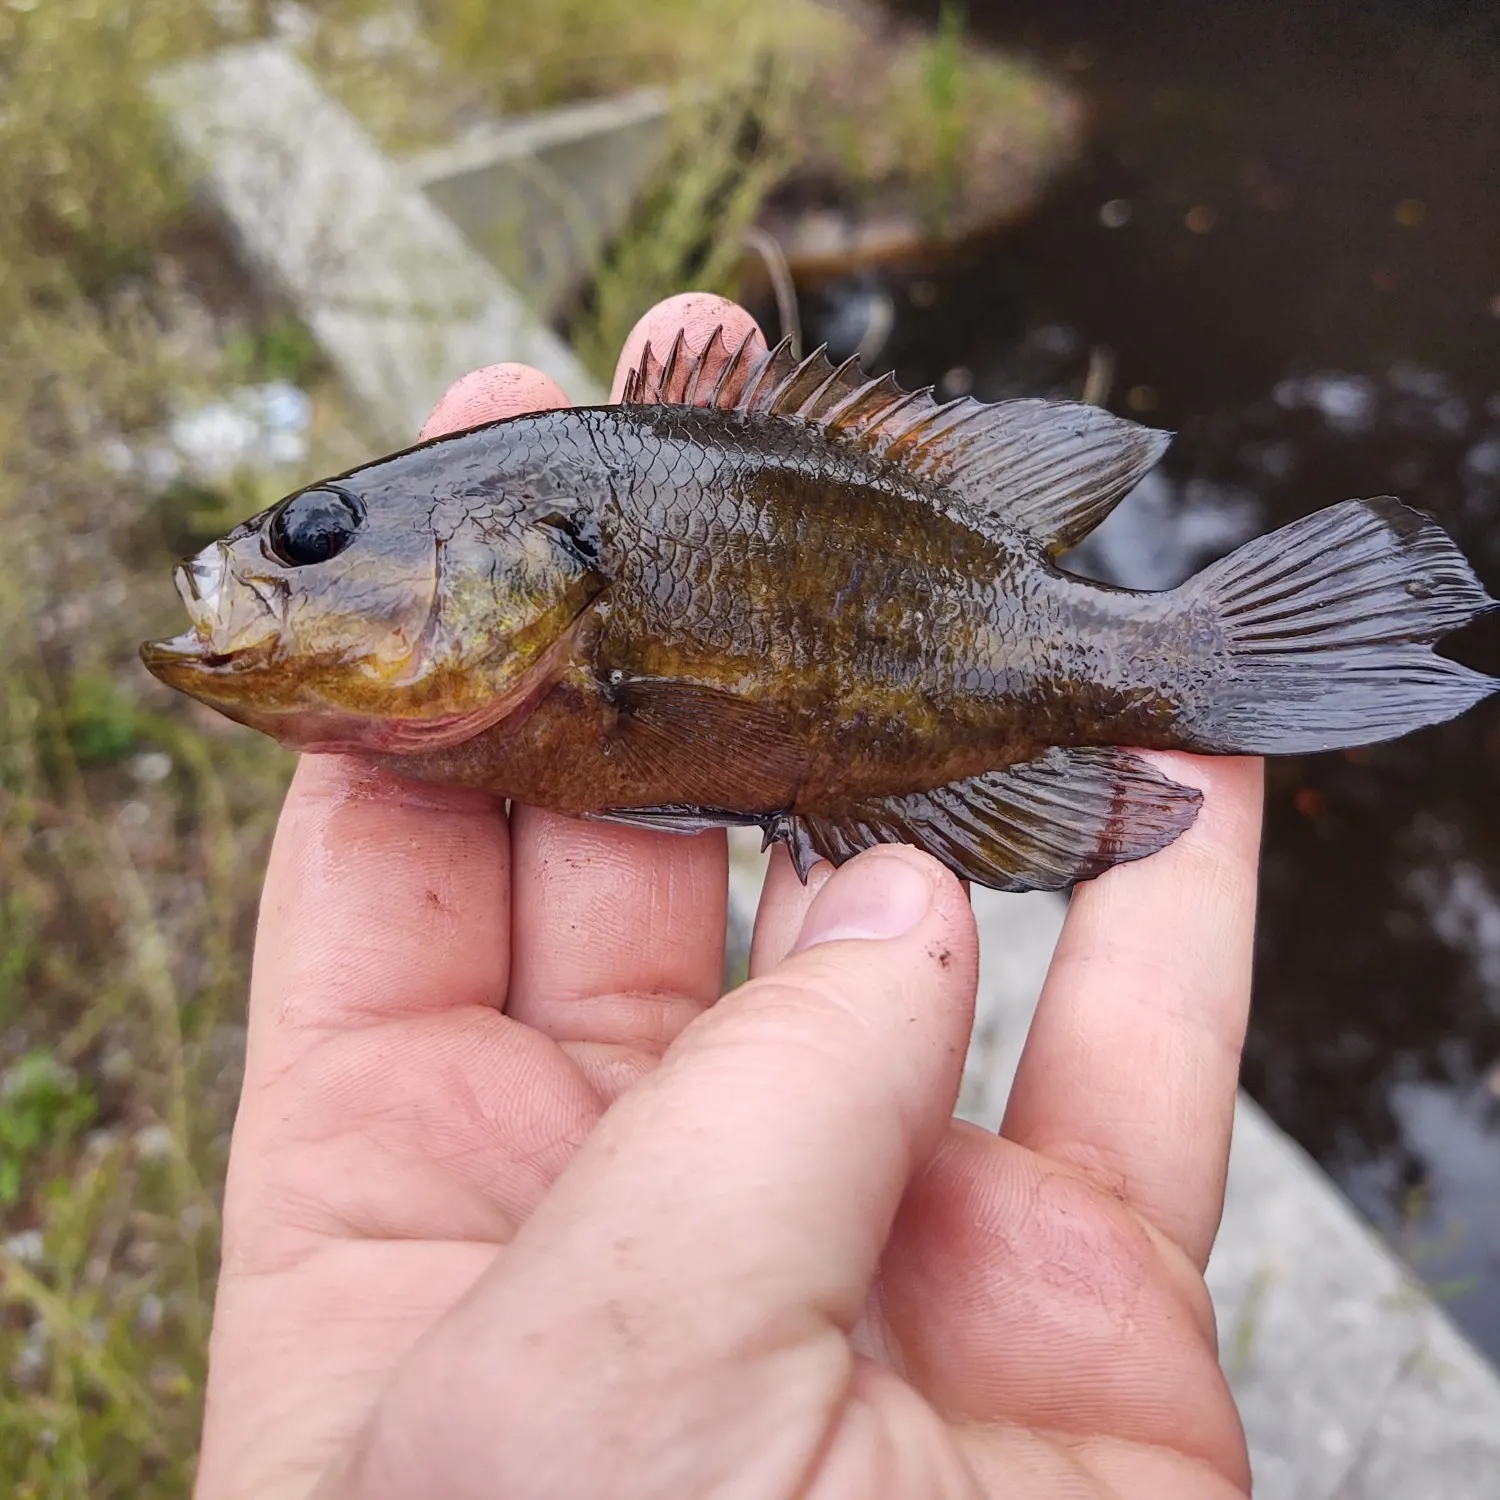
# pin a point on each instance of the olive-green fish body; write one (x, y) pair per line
(811, 602)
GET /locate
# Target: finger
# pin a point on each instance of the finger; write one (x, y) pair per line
(716, 1235)
(697, 314)
(652, 904)
(382, 948)
(385, 899)
(1013, 1286)
(372, 875)
(619, 932)
(506, 390)
(370, 878)
(1131, 1067)
(784, 902)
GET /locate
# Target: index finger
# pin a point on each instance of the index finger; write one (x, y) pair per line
(651, 905)
(1131, 1067)
(372, 875)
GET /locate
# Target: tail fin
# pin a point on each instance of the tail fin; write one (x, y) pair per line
(1329, 625)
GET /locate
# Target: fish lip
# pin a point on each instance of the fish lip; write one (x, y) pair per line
(188, 655)
(182, 659)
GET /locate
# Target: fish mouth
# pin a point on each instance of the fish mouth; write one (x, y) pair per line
(223, 680)
(194, 660)
(229, 681)
(189, 662)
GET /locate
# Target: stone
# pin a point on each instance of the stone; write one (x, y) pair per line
(390, 288)
(540, 195)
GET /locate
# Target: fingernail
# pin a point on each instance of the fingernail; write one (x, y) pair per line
(874, 897)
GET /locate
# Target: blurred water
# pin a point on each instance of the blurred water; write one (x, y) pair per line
(1282, 243)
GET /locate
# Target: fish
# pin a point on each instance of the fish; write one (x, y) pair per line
(771, 592)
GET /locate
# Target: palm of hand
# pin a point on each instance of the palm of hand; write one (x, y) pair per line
(776, 1269)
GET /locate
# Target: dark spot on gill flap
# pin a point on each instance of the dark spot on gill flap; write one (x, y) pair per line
(1051, 469)
(714, 749)
(1067, 816)
(576, 530)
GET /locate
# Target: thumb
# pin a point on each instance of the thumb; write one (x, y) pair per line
(729, 1209)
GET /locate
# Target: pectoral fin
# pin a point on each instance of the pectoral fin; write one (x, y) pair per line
(677, 818)
(1066, 816)
(711, 747)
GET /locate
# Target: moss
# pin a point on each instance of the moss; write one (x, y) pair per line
(99, 719)
(43, 1106)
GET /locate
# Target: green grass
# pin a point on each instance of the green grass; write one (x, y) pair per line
(129, 838)
(851, 106)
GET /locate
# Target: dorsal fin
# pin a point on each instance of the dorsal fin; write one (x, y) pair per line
(1054, 469)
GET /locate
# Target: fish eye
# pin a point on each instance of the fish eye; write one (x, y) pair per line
(312, 526)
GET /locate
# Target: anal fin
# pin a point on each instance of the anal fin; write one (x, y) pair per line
(1067, 816)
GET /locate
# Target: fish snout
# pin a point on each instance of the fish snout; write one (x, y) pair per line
(232, 622)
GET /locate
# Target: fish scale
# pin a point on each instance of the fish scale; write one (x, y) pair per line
(761, 534)
(767, 591)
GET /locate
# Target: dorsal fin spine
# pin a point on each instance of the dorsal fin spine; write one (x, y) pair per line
(751, 394)
(1052, 469)
(889, 437)
(732, 367)
(830, 382)
(787, 400)
(674, 356)
(885, 389)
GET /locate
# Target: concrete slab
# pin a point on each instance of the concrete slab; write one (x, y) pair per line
(541, 194)
(391, 289)
(1352, 1383)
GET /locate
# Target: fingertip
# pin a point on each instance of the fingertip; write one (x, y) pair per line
(1232, 785)
(884, 893)
(490, 394)
(1224, 837)
(696, 315)
(892, 932)
(784, 902)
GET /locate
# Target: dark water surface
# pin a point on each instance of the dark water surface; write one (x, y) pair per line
(1286, 238)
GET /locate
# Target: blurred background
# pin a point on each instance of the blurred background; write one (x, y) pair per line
(1271, 227)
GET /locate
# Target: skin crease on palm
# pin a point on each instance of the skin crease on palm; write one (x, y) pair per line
(516, 1210)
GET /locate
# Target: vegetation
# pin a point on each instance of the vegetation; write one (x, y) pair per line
(877, 106)
(127, 833)
(784, 101)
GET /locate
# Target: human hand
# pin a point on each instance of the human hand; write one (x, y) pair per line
(516, 1209)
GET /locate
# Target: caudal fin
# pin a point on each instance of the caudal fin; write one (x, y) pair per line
(1329, 624)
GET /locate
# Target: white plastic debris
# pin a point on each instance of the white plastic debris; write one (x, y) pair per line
(256, 426)
(260, 426)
